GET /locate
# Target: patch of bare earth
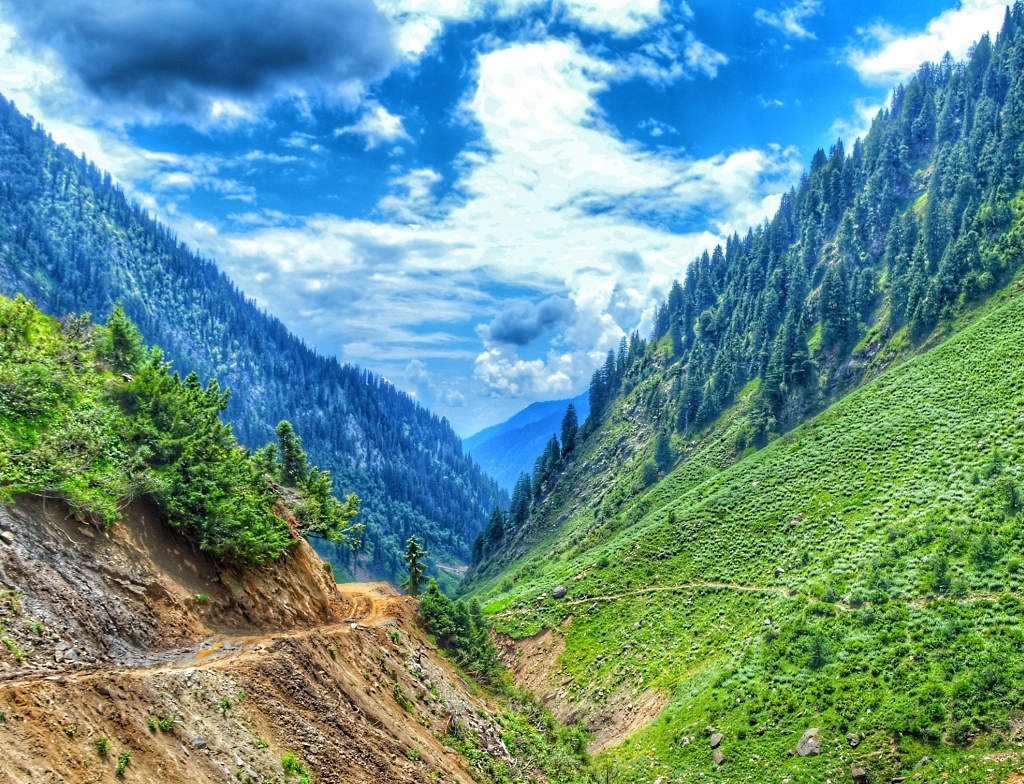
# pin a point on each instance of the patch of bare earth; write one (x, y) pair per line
(535, 664)
(206, 674)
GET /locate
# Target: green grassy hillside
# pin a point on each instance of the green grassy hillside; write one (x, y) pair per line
(862, 574)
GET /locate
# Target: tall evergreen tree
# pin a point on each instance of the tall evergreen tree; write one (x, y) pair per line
(294, 464)
(570, 427)
(415, 564)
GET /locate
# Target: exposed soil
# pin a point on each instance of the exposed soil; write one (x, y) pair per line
(206, 674)
(534, 662)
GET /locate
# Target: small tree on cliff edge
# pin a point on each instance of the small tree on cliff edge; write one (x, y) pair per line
(414, 557)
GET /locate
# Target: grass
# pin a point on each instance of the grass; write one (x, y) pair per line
(861, 574)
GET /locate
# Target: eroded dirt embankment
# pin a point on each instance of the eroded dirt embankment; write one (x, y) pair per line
(612, 717)
(205, 674)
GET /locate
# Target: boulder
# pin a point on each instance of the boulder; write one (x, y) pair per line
(716, 740)
(809, 745)
(854, 739)
(860, 775)
(718, 758)
(199, 742)
(559, 592)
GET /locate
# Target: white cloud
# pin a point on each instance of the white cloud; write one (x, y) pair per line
(504, 373)
(790, 20)
(897, 56)
(416, 203)
(377, 125)
(554, 199)
(621, 17)
(419, 22)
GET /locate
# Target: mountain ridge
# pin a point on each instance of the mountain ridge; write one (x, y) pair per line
(795, 511)
(73, 243)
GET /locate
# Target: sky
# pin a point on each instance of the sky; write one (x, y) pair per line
(473, 198)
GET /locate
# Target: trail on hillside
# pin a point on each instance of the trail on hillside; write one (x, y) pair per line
(781, 591)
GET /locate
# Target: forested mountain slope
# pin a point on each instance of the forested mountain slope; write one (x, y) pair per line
(70, 241)
(766, 577)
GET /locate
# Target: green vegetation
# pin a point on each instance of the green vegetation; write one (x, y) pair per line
(530, 733)
(90, 414)
(414, 564)
(861, 574)
(102, 746)
(72, 242)
(854, 568)
(123, 760)
(294, 767)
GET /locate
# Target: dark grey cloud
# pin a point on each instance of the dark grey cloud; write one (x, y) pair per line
(521, 321)
(182, 54)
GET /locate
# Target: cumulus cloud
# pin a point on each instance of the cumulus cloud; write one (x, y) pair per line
(377, 125)
(790, 19)
(521, 322)
(404, 286)
(210, 57)
(893, 56)
(505, 373)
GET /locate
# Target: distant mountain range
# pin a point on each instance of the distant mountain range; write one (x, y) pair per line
(506, 450)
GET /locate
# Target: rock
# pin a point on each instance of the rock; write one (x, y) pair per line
(923, 761)
(101, 689)
(559, 592)
(88, 533)
(853, 739)
(809, 745)
(71, 655)
(761, 731)
(860, 775)
(718, 758)
(898, 780)
(7, 538)
(790, 752)
(198, 742)
(716, 740)
(659, 780)
(709, 730)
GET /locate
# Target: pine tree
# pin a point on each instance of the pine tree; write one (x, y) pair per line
(294, 466)
(570, 427)
(414, 563)
(122, 344)
(663, 451)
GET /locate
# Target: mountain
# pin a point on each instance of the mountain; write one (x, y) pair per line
(71, 241)
(794, 515)
(506, 450)
(161, 575)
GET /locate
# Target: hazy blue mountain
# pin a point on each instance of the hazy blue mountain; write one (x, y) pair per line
(505, 450)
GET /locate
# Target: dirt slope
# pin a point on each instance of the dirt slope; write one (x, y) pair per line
(209, 675)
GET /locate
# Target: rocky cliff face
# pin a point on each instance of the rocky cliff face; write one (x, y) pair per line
(124, 648)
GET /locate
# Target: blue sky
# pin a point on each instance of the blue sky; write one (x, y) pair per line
(475, 199)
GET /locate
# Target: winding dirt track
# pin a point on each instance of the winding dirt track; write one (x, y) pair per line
(655, 589)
